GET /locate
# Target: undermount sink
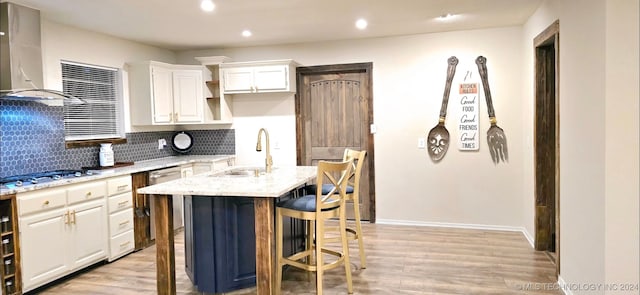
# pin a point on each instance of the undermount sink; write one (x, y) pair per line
(242, 171)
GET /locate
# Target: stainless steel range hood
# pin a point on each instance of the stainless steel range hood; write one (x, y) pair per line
(21, 75)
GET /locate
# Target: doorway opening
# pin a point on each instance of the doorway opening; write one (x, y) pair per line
(334, 109)
(547, 143)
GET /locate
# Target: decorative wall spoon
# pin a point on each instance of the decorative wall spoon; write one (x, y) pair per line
(438, 137)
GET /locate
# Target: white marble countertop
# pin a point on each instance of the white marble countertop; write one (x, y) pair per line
(141, 166)
(268, 185)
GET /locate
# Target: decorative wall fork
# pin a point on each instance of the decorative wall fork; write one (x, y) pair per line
(496, 139)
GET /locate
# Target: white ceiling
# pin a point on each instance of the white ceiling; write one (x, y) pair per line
(181, 25)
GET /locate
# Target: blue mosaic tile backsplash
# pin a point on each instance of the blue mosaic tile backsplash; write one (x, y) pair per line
(32, 140)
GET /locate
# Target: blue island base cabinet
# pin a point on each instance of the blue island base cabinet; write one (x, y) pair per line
(220, 246)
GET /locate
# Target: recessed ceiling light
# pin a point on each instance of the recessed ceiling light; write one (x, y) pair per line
(246, 33)
(447, 16)
(361, 24)
(207, 5)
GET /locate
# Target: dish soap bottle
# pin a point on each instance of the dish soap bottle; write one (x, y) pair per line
(106, 155)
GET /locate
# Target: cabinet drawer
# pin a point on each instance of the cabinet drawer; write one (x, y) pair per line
(119, 202)
(120, 222)
(121, 244)
(119, 185)
(86, 191)
(41, 200)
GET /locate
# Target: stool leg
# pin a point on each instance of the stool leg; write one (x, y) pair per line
(356, 208)
(309, 244)
(345, 248)
(279, 260)
(319, 263)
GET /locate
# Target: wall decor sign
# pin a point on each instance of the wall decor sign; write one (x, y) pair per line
(469, 119)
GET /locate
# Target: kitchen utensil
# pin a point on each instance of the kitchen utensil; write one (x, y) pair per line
(147, 209)
(496, 139)
(139, 210)
(438, 137)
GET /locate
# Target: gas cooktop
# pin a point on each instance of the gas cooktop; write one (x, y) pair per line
(11, 182)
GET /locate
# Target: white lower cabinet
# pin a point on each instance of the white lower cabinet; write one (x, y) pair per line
(121, 236)
(56, 242)
(88, 233)
(67, 228)
(44, 241)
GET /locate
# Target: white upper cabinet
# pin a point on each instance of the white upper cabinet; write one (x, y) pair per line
(258, 76)
(166, 94)
(238, 80)
(187, 96)
(161, 95)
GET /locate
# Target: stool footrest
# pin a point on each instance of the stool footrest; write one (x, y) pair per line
(293, 260)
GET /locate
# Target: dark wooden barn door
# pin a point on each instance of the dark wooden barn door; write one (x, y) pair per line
(334, 111)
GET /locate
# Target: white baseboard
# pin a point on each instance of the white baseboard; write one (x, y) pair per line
(529, 238)
(459, 225)
(563, 286)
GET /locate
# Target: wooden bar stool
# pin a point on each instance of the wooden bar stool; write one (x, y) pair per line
(352, 194)
(317, 208)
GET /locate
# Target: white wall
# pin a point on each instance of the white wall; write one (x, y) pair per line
(622, 193)
(599, 211)
(273, 112)
(62, 42)
(408, 82)
(582, 140)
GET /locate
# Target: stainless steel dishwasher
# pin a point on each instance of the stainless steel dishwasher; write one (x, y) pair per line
(161, 176)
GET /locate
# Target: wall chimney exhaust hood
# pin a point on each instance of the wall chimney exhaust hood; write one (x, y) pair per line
(21, 75)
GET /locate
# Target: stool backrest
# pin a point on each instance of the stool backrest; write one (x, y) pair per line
(336, 174)
(358, 158)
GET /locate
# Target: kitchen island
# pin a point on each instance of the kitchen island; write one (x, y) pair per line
(263, 189)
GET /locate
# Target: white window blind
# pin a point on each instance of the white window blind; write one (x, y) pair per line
(101, 116)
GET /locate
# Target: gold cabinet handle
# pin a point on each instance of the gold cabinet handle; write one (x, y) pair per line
(122, 187)
(170, 117)
(87, 195)
(46, 202)
(125, 244)
(124, 223)
(73, 217)
(66, 217)
(123, 203)
(177, 117)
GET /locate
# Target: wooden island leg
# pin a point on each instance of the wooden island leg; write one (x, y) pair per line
(165, 253)
(265, 252)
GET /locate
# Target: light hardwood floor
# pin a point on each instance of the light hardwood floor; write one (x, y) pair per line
(400, 260)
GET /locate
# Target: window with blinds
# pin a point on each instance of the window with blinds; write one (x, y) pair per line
(101, 116)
